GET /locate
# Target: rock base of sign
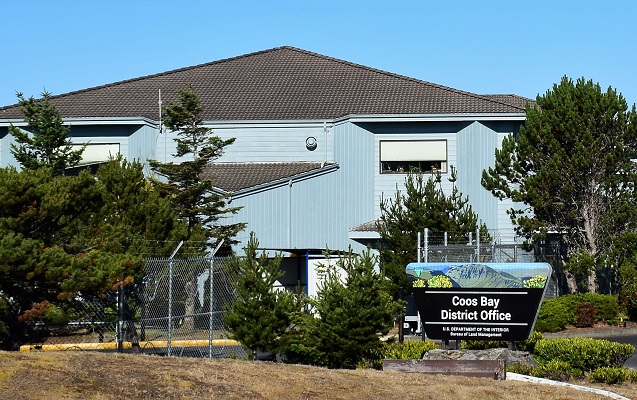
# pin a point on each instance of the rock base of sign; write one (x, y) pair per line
(510, 356)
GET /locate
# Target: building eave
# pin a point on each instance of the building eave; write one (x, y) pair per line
(431, 117)
(326, 169)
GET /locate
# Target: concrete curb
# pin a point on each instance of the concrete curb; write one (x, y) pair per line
(524, 378)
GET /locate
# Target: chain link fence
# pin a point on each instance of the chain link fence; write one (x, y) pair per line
(176, 310)
(489, 246)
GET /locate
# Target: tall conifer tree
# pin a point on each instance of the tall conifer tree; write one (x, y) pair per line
(192, 196)
(423, 204)
(571, 171)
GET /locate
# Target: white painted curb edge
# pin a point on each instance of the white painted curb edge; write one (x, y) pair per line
(525, 378)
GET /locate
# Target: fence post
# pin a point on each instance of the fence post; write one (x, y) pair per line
(419, 249)
(426, 245)
(170, 300)
(120, 318)
(401, 327)
(446, 243)
(211, 299)
(477, 244)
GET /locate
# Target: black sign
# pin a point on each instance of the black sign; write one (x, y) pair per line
(478, 314)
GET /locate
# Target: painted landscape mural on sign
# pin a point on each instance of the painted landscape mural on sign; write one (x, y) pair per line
(479, 275)
(478, 301)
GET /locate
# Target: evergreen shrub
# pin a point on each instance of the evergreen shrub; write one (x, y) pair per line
(609, 375)
(583, 353)
(408, 350)
(556, 370)
(522, 369)
(557, 313)
(554, 316)
(606, 306)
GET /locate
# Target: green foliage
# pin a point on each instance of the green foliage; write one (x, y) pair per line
(522, 369)
(193, 196)
(419, 283)
(556, 370)
(423, 204)
(628, 287)
(554, 315)
(557, 313)
(583, 353)
(64, 237)
(259, 315)
(5, 321)
(48, 145)
(343, 325)
(537, 282)
(609, 375)
(577, 131)
(439, 281)
(408, 350)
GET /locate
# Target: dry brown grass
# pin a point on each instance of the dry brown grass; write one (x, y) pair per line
(86, 375)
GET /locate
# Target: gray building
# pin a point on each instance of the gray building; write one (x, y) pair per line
(318, 140)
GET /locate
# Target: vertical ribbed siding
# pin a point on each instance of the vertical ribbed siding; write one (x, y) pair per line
(476, 152)
(298, 216)
(4, 146)
(142, 144)
(354, 151)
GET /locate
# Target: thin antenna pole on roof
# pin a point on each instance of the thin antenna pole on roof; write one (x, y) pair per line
(161, 128)
(159, 102)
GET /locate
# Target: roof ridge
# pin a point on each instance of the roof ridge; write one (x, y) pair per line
(395, 75)
(291, 48)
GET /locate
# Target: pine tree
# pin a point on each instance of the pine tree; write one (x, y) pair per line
(352, 310)
(571, 171)
(422, 205)
(260, 314)
(66, 237)
(49, 144)
(192, 197)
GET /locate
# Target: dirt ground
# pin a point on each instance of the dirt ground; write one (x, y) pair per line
(74, 375)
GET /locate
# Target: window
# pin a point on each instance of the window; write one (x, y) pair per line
(97, 153)
(401, 156)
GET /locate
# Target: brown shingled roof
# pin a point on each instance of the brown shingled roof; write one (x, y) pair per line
(512, 99)
(283, 83)
(232, 177)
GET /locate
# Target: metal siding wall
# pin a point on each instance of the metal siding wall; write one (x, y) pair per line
(354, 151)
(267, 214)
(272, 143)
(476, 146)
(5, 149)
(143, 144)
(316, 214)
(476, 152)
(298, 216)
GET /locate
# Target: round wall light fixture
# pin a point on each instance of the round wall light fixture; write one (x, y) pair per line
(310, 143)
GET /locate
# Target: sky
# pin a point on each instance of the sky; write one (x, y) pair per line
(484, 47)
